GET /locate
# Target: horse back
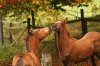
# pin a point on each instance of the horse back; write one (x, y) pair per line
(92, 35)
(91, 40)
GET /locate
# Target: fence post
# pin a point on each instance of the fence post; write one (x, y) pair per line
(1, 31)
(10, 30)
(33, 19)
(83, 22)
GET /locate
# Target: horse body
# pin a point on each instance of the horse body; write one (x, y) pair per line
(94, 37)
(73, 50)
(26, 59)
(30, 56)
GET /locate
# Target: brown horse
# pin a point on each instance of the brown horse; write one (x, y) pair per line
(30, 57)
(73, 50)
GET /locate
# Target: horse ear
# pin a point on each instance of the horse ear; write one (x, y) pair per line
(65, 20)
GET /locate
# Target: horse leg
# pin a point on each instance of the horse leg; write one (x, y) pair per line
(93, 60)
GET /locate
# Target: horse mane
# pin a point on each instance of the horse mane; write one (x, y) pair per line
(29, 37)
(65, 28)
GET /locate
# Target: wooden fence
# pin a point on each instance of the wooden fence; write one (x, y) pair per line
(84, 21)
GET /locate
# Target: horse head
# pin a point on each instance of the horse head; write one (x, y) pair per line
(41, 33)
(30, 56)
(59, 26)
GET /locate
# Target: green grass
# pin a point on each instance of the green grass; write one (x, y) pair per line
(7, 53)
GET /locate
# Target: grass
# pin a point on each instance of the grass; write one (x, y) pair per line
(7, 53)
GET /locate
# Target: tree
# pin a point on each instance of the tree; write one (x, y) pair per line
(19, 7)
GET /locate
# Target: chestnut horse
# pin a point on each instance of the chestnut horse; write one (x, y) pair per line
(74, 51)
(30, 57)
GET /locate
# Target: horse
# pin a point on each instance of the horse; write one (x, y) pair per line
(72, 50)
(30, 56)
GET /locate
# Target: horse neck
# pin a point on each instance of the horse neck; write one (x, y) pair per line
(64, 38)
(33, 44)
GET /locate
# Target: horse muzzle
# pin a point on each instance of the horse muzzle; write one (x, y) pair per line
(51, 28)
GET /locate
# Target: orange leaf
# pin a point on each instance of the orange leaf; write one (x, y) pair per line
(35, 1)
(1, 5)
(78, 1)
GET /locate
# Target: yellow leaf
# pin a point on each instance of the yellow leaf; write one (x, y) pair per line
(36, 2)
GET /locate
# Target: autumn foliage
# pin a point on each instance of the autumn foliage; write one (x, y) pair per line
(1, 5)
(11, 1)
(24, 6)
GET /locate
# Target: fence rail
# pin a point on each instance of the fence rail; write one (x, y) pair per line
(84, 21)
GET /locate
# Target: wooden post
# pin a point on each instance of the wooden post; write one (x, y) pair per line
(33, 19)
(28, 24)
(83, 22)
(10, 33)
(1, 31)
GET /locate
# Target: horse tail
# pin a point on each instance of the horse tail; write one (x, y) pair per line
(20, 62)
